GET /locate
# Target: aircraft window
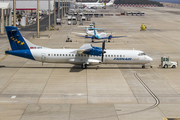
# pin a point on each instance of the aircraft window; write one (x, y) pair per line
(114, 55)
(111, 55)
(57, 54)
(123, 55)
(108, 55)
(87, 55)
(117, 55)
(69, 54)
(141, 54)
(105, 55)
(81, 55)
(51, 54)
(75, 54)
(48, 54)
(63, 54)
(66, 55)
(120, 55)
(72, 54)
(54, 54)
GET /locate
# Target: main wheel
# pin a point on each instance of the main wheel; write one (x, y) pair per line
(165, 66)
(143, 66)
(173, 66)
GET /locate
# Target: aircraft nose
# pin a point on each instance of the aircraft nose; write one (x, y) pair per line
(150, 59)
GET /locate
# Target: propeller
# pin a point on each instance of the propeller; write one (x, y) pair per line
(102, 54)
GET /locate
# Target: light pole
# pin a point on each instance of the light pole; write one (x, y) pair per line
(58, 10)
(49, 14)
(61, 9)
(14, 13)
(38, 19)
(54, 14)
(64, 8)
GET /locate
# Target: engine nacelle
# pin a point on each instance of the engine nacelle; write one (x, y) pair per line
(94, 51)
(88, 62)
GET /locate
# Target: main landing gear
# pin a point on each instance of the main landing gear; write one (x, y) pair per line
(143, 66)
(108, 40)
(84, 66)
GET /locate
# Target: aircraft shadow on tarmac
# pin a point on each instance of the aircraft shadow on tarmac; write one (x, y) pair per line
(75, 68)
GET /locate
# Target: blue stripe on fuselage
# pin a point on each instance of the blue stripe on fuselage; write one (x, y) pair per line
(21, 53)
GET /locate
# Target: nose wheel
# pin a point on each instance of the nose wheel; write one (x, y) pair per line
(84, 66)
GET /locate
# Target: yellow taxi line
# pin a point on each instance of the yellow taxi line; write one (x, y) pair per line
(3, 57)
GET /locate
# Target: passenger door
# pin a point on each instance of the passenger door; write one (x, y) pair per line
(43, 57)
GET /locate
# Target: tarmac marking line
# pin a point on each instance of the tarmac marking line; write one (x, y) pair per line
(166, 38)
(3, 57)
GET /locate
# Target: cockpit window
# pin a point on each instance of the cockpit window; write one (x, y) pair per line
(141, 54)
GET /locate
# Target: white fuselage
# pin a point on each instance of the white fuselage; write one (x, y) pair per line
(71, 56)
(91, 33)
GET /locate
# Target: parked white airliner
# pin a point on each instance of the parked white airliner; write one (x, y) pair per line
(96, 4)
(84, 56)
(99, 5)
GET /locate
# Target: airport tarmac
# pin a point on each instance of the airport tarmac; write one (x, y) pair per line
(30, 91)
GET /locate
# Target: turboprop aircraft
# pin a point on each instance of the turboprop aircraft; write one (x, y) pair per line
(85, 56)
(100, 36)
(89, 30)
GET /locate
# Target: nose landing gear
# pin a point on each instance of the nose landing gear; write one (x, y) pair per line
(84, 66)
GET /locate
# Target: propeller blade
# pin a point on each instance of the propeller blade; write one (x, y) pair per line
(103, 45)
(102, 54)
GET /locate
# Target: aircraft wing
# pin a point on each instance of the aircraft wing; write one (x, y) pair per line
(84, 36)
(118, 36)
(80, 33)
(112, 37)
(83, 48)
(86, 46)
(89, 50)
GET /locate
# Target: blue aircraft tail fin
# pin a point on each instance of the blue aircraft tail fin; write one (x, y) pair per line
(16, 40)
